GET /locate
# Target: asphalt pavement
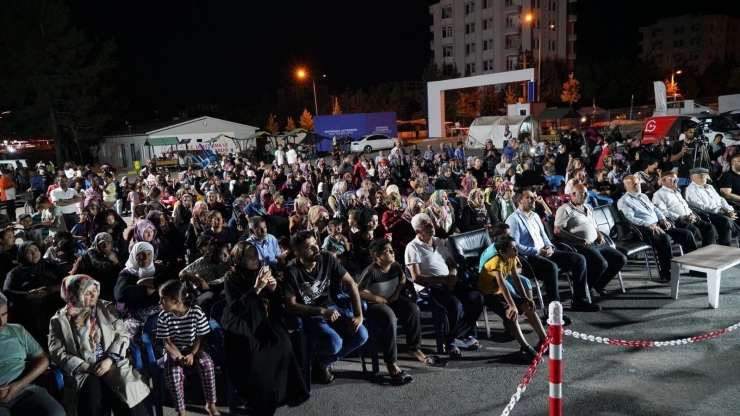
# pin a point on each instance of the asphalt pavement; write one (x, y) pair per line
(697, 378)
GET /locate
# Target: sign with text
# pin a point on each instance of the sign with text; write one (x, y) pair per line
(354, 125)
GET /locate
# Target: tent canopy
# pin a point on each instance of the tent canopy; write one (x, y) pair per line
(162, 141)
(557, 114)
(493, 128)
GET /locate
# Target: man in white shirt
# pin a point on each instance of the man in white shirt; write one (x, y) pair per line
(704, 197)
(431, 264)
(670, 202)
(280, 156)
(291, 155)
(575, 224)
(66, 199)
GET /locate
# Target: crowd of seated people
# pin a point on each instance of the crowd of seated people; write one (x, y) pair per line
(331, 246)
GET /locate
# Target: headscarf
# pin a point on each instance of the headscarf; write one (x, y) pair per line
(99, 260)
(142, 226)
(339, 189)
(468, 184)
(133, 267)
(439, 213)
(155, 217)
(344, 207)
(35, 269)
(84, 319)
(91, 196)
(364, 217)
(240, 278)
(472, 199)
(304, 189)
(314, 213)
(408, 213)
(392, 189)
(200, 209)
(424, 179)
(302, 205)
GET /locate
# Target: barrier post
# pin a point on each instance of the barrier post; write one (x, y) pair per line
(555, 320)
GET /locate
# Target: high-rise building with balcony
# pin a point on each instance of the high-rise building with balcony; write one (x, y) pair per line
(484, 36)
(690, 40)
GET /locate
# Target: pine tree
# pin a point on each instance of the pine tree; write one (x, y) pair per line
(306, 121)
(335, 108)
(55, 83)
(290, 124)
(571, 91)
(272, 125)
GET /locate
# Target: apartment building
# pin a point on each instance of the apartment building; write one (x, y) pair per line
(691, 40)
(485, 36)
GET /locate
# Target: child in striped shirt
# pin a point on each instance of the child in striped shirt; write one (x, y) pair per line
(181, 326)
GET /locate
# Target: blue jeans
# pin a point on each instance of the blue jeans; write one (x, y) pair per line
(334, 340)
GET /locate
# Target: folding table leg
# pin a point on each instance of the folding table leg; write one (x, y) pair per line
(713, 280)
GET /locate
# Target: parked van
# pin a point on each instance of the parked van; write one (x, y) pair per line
(14, 163)
(671, 127)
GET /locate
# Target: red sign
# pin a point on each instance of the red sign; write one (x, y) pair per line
(656, 127)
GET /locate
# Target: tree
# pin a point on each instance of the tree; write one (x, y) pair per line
(306, 121)
(56, 83)
(290, 124)
(467, 106)
(671, 88)
(511, 96)
(570, 91)
(489, 101)
(272, 125)
(335, 108)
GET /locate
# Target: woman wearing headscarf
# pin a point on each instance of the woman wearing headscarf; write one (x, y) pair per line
(347, 202)
(441, 213)
(32, 287)
(145, 231)
(259, 354)
(402, 231)
(307, 191)
(503, 166)
(238, 221)
(475, 214)
(446, 181)
(503, 206)
(339, 188)
(299, 219)
(170, 243)
(207, 274)
(136, 288)
(468, 184)
(183, 211)
(318, 221)
(213, 204)
(367, 222)
(198, 224)
(89, 342)
(101, 261)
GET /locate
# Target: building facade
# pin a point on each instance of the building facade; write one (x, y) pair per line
(486, 36)
(690, 41)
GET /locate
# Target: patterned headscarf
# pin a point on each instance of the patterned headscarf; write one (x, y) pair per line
(473, 200)
(440, 213)
(99, 260)
(304, 189)
(468, 184)
(302, 205)
(314, 213)
(200, 209)
(339, 189)
(408, 213)
(344, 207)
(87, 333)
(133, 267)
(142, 226)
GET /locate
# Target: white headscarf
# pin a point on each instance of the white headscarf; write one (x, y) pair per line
(133, 267)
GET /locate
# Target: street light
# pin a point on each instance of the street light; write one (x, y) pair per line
(530, 18)
(673, 84)
(302, 74)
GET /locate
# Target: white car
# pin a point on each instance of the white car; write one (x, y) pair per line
(372, 142)
(688, 107)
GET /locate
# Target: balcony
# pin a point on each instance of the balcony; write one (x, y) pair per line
(513, 51)
(572, 18)
(572, 37)
(513, 9)
(512, 30)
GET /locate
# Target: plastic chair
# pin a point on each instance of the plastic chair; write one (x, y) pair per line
(219, 355)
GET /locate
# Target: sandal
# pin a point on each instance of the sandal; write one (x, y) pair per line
(401, 378)
(453, 351)
(435, 361)
(471, 343)
(327, 376)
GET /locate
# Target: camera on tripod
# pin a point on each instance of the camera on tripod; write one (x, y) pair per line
(699, 136)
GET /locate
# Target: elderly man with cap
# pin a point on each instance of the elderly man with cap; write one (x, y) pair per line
(704, 197)
(672, 204)
(575, 223)
(639, 211)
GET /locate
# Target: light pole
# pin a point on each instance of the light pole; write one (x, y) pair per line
(302, 74)
(673, 84)
(530, 18)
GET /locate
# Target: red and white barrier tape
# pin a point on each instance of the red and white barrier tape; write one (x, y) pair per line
(650, 344)
(526, 379)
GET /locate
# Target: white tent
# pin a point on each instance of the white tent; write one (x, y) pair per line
(493, 127)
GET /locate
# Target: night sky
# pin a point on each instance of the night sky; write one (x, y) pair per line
(233, 52)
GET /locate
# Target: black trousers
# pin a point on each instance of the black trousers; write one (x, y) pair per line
(98, 399)
(547, 269)
(386, 316)
(463, 306)
(724, 226)
(602, 263)
(701, 230)
(662, 244)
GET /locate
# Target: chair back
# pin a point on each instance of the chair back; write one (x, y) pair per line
(149, 337)
(217, 310)
(468, 247)
(604, 220)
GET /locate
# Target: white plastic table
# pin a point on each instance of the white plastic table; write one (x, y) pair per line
(711, 260)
